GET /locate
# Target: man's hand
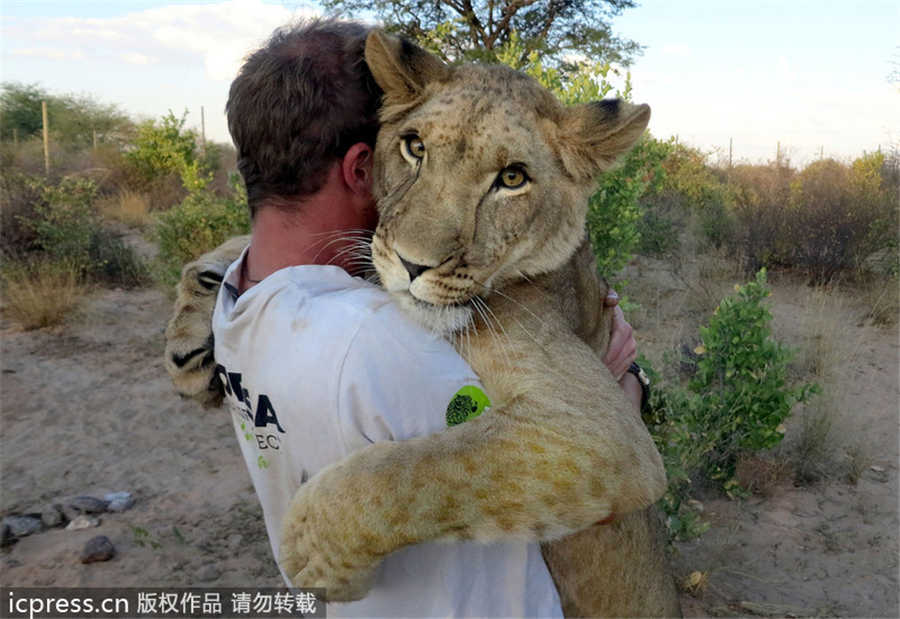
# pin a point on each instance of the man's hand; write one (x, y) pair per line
(622, 350)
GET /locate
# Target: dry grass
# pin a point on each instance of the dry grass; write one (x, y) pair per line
(676, 296)
(761, 474)
(881, 297)
(814, 322)
(40, 294)
(130, 207)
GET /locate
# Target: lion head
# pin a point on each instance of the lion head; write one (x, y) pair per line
(482, 177)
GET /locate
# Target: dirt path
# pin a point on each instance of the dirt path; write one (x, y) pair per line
(88, 409)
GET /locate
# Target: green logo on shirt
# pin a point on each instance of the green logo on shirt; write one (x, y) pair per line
(467, 403)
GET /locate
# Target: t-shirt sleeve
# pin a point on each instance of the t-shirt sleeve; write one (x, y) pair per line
(398, 382)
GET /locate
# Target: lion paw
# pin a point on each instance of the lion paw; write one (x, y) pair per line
(315, 552)
(189, 339)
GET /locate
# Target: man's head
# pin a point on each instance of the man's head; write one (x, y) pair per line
(296, 107)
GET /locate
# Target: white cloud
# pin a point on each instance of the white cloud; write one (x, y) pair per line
(138, 58)
(50, 53)
(218, 34)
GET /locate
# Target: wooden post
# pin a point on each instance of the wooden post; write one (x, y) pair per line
(822, 152)
(202, 132)
(46, 138)
(778, 154)
(730, 148)
(94, 136)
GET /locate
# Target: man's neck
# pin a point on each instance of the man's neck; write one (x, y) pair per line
(316, 231)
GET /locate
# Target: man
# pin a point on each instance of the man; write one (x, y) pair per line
(317, 363)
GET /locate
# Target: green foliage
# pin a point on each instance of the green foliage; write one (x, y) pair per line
(735, 403)
(65, 228)
(200, 223)
(579, 82)
(64, 219)
(73, 119)
(740, 386)
(614, 211)
(166, 147)
(456, 31)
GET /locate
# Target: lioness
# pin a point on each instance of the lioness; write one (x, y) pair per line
(482, 179)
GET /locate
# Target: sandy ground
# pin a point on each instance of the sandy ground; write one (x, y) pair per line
(87, 409)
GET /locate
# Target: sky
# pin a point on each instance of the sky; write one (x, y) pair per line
(812, 75)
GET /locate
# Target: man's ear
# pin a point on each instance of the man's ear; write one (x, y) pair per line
(401, 68)
(356, 169)
(594, 135)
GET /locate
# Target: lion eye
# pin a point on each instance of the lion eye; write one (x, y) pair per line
(413, 146)
(512, 177)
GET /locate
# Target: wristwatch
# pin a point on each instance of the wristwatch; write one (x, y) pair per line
(644, 382)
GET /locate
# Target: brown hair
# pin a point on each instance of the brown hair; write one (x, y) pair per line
(298, 104)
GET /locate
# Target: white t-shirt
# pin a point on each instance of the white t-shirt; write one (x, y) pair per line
(318, 364)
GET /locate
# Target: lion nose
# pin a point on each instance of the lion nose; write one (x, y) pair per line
(414, 270)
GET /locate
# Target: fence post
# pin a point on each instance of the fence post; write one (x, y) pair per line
(46, 138)
(730, 146)
(202, 132)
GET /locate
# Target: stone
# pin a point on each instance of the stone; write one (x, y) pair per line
(82, 522)
(88, 505)
(53, 516)
(208, 572)
(20, 526)
(118, 501)
(98, 549)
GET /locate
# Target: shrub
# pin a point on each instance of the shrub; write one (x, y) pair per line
(741, 396)
(162, 148)
(733, 407)
(200, 223)
(64, 220)
(60, 223)
(41, 293)
(614, 213)
(18, 194)
(828, 218)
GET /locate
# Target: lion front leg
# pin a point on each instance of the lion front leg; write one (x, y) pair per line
(189, 339)
(538, 465)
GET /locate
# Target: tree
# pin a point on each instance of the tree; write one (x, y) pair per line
(74, 119)
(474, 29)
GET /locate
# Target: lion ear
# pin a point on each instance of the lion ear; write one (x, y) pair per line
(595, 134)
(401, 68)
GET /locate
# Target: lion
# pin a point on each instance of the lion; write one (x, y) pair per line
(482, 179)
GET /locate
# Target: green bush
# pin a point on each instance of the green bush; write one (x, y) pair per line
(614, 213)
(741, 394)
(162, 148)
(62, 225)
(735, 404)
(689, 191)
(200, 223)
